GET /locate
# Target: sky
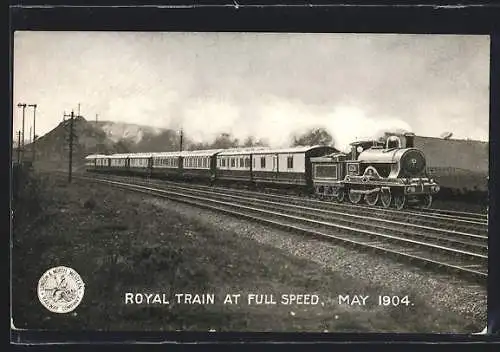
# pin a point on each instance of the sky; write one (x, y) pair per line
(268, 85)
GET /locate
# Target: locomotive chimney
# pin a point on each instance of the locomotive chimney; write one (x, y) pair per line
(410, 140)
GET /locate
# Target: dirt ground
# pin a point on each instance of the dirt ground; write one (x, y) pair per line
(119, 243)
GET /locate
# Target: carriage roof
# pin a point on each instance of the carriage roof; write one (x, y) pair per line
(95, 156)
(208, 152)
(264, 150)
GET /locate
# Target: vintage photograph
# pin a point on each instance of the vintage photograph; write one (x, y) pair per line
(248, 182)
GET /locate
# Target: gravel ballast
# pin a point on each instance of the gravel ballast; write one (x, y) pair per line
(444, 293)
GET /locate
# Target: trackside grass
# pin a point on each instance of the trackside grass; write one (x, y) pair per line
(121, 243)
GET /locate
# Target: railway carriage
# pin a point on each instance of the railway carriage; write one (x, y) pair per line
(166, 164)
(289, 166)
(235, 164)
(97, 162)
(118, 163)
(90, 162)
(139, 163)
(199, 164)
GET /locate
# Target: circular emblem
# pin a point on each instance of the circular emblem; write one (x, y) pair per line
(60, 289)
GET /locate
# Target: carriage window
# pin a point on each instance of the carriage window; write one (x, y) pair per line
(232, 162)
(289, 162)
(247, 162)
(242, 163)
(263, 162)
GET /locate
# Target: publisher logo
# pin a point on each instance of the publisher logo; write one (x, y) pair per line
(60, 289)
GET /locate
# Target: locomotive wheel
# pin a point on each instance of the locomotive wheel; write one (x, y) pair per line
(426, 201)
(340, 195)
(386, 198)
(399, 201)
(372, 198)
(355, 198)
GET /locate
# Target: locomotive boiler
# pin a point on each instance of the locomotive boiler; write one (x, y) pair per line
(392, 173)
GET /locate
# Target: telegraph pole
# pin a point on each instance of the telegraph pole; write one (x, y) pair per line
(71, 135)
(34, 133)
(22, 105)
(182, 135)
(97, 143)
(18, 147)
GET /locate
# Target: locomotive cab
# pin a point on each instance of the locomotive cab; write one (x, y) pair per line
(401, 141)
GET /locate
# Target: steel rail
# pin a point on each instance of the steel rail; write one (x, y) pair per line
(479, 276)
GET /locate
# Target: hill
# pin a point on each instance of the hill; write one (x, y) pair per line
(117, 131)
(52, 149)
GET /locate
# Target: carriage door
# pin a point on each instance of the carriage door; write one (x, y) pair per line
(275, 165)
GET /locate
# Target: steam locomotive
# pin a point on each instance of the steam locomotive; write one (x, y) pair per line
(393, 173)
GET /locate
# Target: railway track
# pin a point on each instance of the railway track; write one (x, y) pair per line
(457, 221)
(463, 253)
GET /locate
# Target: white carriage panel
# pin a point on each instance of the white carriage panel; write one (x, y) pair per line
(295, 164)
(264, 162)
(299, 163)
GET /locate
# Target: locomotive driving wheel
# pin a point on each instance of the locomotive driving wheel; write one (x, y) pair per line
(386, 198)
(399, 201)
(354, 197)
(371, 198)
(426, 201)
(340, 195)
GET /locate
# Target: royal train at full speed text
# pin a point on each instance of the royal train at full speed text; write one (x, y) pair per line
(389, 174)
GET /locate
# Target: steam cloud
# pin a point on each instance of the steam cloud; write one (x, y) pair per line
(278, 121)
